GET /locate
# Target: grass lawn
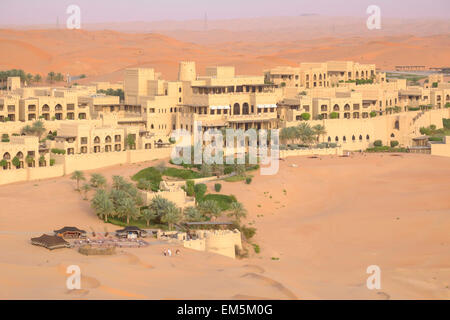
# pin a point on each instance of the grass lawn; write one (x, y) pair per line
(237, 178)
(223, 200)
(153, 175)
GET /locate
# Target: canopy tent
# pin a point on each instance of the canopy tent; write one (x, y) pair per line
(263, 106)
(219, 107)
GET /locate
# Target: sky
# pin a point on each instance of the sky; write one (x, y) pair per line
(29, 12)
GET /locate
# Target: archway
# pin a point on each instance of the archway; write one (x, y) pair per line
(236, 108)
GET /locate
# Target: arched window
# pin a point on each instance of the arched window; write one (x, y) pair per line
(367, 137)
(397, 125)
(236, 108)
(336, 107)
(7, 156)
(392, 135)
(353, 138)
(245, 108)
(96, 140)
(360, 137)
(347, 107)
(108, 139)
(329, 139)
(19, 155)
(58, 107)
(344, 138)
(336, 139)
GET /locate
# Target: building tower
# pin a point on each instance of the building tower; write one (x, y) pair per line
(186, 71)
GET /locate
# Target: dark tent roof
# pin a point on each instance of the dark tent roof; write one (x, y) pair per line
(72, 229)
(50, 242)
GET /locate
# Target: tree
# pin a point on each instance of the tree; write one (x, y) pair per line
(305, 116)
(160, 205)
(127, 208)
(147, 215)
(319, 130)
(37, 78)
(119, 183)
(86, 187)
(172, 215)
(161, 167)
(193, 214)
(237, 211)
(239, 169)
(37, 129)
(51, 76)
(210, 208)
(102, 204)
(78, 175)
(131, 141)
(205, 170)
(305, 133)
(98, 180)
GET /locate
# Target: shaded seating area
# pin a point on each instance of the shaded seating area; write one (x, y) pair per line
(131, 232)
(50, 242)
(70, 233)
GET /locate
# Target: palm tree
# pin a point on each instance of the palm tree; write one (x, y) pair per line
(51, 76)
(238, 211)
(102, 204)
(193, 214)
(160, 205)
(127, 208)
(148, 215)
(119, 183)
(172, 215)
(305, 133)
(210, 208)
(98, 180)
(86, 187)
(319, 130)
(37, 78)
(78, 175)
(205, 170)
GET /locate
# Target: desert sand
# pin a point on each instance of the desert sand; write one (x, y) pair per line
(326, 221)
(250, 45)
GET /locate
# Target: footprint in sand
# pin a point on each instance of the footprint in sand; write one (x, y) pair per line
(272, 283)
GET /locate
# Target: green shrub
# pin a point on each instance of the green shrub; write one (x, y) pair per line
(439, 139)
(224, 201)
(3, 163)
(394, 143)
(446, 123)
(256, 248)
(190, 189)
(334, 115)
(16, 162)
(248, 180)
(200, 190)
(217, 187)
(5, 137)
(58, 151)
(373, 114)
(228, 169)
(52, 162)
(413, 108)
(248, 232)
(305, 116)
(377, 143)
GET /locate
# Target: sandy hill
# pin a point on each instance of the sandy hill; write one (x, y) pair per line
(103, 55)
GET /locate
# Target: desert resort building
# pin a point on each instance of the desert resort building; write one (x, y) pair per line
(85, 129)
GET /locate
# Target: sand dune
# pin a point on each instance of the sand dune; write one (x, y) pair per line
(324, 222)
(103, 55)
